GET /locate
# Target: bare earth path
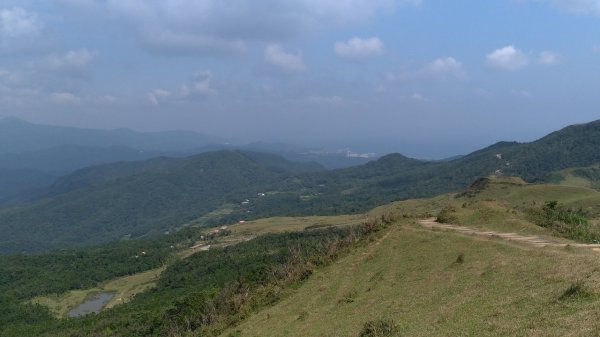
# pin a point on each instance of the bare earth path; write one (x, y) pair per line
(530, 240)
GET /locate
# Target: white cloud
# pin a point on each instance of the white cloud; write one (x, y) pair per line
(156, 96)
(72, 63)
(9, 76)
(548, 58)
(106, 99)
(446, 67)
(199, 86)
(64, 98)
(17, 23)
(213, 26)
(508, 58)
(288, 62)
(419, 97)
(20, 30)
(358, 48)
(71, 59)
(521, 93)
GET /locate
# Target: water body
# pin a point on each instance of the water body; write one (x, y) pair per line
(91, 305)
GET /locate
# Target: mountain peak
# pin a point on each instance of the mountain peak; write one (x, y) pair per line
(12, 120)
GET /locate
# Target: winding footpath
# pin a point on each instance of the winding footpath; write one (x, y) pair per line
(526, 239)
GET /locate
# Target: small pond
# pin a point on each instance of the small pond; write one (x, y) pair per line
(93, 304)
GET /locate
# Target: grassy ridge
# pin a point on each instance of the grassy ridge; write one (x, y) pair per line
(412, 278)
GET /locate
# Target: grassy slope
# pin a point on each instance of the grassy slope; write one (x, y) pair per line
(411, 273)
(411, 277)
(288, 224)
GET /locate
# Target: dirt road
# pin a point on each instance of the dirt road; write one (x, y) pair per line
(526, 239)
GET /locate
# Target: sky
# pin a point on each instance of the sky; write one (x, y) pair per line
(426, 78)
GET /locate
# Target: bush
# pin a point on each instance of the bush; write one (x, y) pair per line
(460, 259)
(576, 290)
(447, 215)
(379, 328)
(569, 223)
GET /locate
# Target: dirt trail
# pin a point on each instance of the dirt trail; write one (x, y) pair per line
(526, 239)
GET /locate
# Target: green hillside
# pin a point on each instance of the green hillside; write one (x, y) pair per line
(415, 281)
(411, 281)
(390, 273)
(137, 201)
(14, 182)
(124, 200)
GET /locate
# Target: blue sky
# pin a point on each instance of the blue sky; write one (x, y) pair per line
(427, 78)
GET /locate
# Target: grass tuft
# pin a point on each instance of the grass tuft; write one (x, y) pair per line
(379, 328)
(460, 259)
(576, 290)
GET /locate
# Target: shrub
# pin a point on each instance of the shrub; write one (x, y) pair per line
(379, 328)
(569, 223)
(576, 290)
(460, 259)
(447, 215)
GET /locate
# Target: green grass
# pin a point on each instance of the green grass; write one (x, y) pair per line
(290, 224)
(124, 289)
(503, 204)
(411, 277)
(218, 213)
(414, 282)
(570, 179)
(432, 283)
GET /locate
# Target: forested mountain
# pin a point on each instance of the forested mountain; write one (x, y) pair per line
(54, 151)
(64, 159)
(113, 201)
(20, 136)
(16, 181)
(33, 155)
(134, 201)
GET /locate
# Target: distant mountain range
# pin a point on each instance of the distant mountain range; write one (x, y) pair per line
(17, 136)
(122, 200)
(44, 152)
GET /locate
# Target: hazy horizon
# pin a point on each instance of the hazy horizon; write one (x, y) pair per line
(406, 76)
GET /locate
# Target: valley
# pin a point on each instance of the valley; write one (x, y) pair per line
(491, 270)
(223, 187)
(330, 168)
(234, 243)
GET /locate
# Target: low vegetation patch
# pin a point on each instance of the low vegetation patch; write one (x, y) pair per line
(577, 290)
(572, 224)
(447, 215)
(460, 259)
(379, 328)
